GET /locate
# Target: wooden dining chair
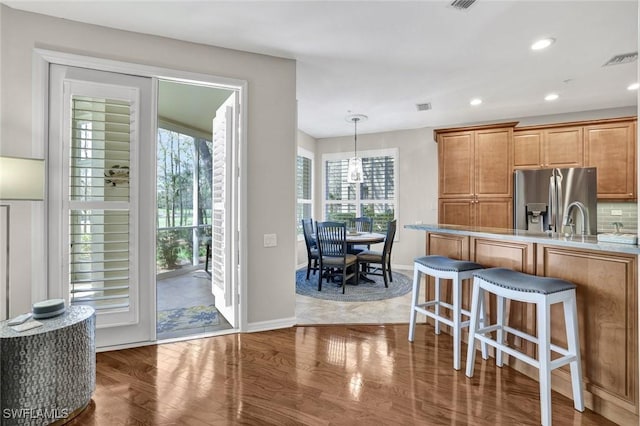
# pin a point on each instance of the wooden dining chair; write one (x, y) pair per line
(383, 258)
(361, 224)
(331, 238)
(312, 248)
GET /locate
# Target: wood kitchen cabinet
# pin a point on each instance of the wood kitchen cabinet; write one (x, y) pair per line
(547, 147)
(609, 145)
(485, 212)
(475, 184)
(611, 148)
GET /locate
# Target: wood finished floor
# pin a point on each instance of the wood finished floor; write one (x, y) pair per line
(314, 375)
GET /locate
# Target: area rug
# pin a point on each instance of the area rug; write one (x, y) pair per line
(187, 318)
(363, 292)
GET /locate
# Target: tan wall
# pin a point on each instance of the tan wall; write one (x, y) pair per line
(271, 138)
(417, 182)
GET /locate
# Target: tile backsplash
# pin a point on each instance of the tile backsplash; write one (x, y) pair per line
(629, 217)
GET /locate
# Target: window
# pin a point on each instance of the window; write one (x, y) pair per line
(304, 188)
(376, 197)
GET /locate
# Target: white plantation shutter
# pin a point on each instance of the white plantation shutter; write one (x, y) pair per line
(378, 191)
(375, 197)
(304, 187)
(101, 186)
(221, 183)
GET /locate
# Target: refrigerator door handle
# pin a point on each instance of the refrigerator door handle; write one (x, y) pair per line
(559, 209)
(552, 210)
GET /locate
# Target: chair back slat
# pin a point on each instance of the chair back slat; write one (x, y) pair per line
(331, 238)
(363, 224)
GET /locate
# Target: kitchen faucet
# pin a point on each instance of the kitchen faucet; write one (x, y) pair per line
(584, 215)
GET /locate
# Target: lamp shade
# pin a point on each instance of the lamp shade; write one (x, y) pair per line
(354, 170)
(21, 179)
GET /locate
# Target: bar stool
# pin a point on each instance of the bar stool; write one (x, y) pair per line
(441, 267)
(544, 292)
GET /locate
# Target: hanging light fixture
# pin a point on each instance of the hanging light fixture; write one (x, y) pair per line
(354, 170)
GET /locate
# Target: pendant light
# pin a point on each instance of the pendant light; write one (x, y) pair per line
(354, 169)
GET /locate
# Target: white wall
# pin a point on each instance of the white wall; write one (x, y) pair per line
(271, 141)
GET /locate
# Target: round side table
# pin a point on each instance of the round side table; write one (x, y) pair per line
(47, 374)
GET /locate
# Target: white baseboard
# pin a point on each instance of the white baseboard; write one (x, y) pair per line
(271, 325)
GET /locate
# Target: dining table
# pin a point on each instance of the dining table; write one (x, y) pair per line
(363, 238)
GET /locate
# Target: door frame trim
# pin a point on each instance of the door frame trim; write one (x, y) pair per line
(41, 59)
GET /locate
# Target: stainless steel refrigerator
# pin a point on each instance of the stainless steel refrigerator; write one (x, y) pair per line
(557, 200)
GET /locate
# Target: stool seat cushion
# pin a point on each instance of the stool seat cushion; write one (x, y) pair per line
(442, 263)
(518, 281)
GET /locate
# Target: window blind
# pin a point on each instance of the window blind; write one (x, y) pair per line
(303, 190)
(99, 203)
(375, 197)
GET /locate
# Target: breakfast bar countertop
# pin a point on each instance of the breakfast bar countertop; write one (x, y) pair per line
(587, 242)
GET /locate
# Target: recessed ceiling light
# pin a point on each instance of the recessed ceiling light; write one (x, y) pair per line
(543, 43)
(475, 102)
(551, 97)
(633, 86)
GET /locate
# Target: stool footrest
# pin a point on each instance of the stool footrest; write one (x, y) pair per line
(440, 318)
(506, 349)
(559, 362)
(442, 304)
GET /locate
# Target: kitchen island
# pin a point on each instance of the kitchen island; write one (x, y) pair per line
(607, 279)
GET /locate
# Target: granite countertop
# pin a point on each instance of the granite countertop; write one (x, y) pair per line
(587, 242)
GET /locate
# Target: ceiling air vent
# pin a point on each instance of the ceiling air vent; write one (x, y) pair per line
(625, 58)
(462, 4)
(423, 107)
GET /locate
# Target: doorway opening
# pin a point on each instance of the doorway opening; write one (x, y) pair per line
(185, 215)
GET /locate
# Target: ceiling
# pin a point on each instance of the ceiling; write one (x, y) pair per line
(190, 105)
(382, 58)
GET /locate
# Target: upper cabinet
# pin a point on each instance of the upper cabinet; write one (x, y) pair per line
(562, 147)
(609, 145)
(611, 148)
(475, 162)
(475, 175)
(536, 147)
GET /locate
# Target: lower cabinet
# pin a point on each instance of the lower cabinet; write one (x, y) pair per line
(483, 212)
(607, 295)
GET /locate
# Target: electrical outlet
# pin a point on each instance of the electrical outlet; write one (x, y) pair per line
(616, 212)
(270, 240)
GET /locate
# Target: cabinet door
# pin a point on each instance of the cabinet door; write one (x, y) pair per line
(493, 170)
(612, 149)
(456, 212)
(527, 149)
(562, 147)
(494, 213)
(455, 162)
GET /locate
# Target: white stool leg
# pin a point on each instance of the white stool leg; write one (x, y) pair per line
(499, 333)
(437, 304)
(573, 345)
(544, 358)
(473, 326)
(414, 301)
(457, 313)
(481, 322)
